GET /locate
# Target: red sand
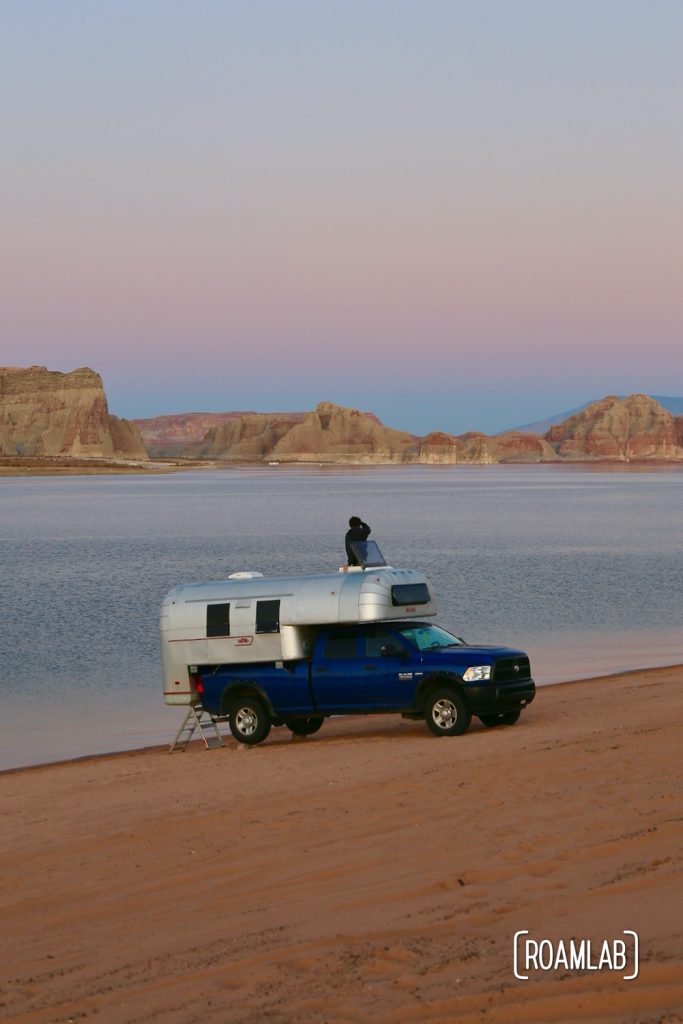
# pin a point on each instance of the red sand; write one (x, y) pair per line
(370, 873)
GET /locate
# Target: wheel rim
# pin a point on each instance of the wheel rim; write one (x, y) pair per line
(444, 713)
(246, 721)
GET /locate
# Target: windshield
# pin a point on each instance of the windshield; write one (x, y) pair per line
(429, 637)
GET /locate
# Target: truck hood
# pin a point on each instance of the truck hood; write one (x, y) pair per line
(471, 654)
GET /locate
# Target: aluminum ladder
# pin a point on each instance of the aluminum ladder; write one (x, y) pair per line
(198, 719)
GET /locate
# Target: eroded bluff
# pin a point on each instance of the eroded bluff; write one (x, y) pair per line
(48, 413)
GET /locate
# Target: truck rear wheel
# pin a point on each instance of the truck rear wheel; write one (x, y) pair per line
(249, 721)
(303, 726)
(446, 713)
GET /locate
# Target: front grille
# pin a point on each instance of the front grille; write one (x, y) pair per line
(511, 670)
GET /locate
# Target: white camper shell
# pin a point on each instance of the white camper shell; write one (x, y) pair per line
(250, 619)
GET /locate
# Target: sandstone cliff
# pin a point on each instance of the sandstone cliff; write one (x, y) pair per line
(518, 446)
(632, 428)
(47, 413)
(168, 434)
(126, 439)
(439, 448)
(249, 436)
(333, 433)
(475, 448)
(636, 427)
(679, 431)
(330, 433)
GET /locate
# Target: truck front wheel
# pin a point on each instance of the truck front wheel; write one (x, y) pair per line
(249, 720)
(446, 713)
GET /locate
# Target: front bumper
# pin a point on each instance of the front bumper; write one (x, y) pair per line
(487, 698)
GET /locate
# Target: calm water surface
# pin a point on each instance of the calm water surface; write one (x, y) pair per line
(583, 567)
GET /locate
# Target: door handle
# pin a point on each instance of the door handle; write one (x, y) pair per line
(370, 668)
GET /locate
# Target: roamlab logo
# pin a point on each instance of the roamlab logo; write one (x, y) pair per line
(532, 956)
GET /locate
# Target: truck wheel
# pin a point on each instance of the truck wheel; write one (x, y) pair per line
(446, 713)
(303, 726)
(249, 720)
(504, 718)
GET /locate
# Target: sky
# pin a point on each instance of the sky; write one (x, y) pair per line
(457, 215)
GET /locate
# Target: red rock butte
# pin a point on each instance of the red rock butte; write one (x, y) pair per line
(46, 413)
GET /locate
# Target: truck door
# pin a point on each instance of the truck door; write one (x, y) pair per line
(339, 682)
(389, 668)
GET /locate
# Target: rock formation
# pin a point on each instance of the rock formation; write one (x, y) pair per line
(168, 434)
(248, 437)
(331, 433)
(518, 446)
(47, 413)
(632, 428)
(438, 448)
(475, 448)
(679, 431)
(126, 439)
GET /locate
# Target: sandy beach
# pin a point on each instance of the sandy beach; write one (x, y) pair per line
(370, 873)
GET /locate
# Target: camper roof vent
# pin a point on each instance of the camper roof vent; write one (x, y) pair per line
(244, 575)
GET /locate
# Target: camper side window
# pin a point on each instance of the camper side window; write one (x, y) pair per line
(218, 620)
(409, 593)
(267, 616)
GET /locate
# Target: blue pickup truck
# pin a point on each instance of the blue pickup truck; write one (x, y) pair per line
(413, 668)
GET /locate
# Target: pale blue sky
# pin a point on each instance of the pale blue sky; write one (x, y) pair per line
(458, 215)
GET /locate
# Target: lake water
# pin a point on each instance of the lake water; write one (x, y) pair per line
(581, 566)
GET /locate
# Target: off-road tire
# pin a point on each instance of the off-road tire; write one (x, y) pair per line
(446, 712)
(249, 721)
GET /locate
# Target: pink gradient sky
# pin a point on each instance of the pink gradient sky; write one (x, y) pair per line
(459, 216)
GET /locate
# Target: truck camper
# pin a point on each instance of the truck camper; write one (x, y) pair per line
(267, 651)
(250, 619)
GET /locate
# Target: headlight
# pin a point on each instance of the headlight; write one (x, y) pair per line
(477, 673)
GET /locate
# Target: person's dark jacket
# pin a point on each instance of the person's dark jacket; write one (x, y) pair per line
(361, 532)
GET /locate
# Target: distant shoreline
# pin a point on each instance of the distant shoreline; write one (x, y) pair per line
(23, 465)
(11, 465)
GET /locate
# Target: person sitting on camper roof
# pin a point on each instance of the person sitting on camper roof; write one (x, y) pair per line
(358, 530)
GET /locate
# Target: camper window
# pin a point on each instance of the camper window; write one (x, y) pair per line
(409, 593)
(218, 620)
(267, 616)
